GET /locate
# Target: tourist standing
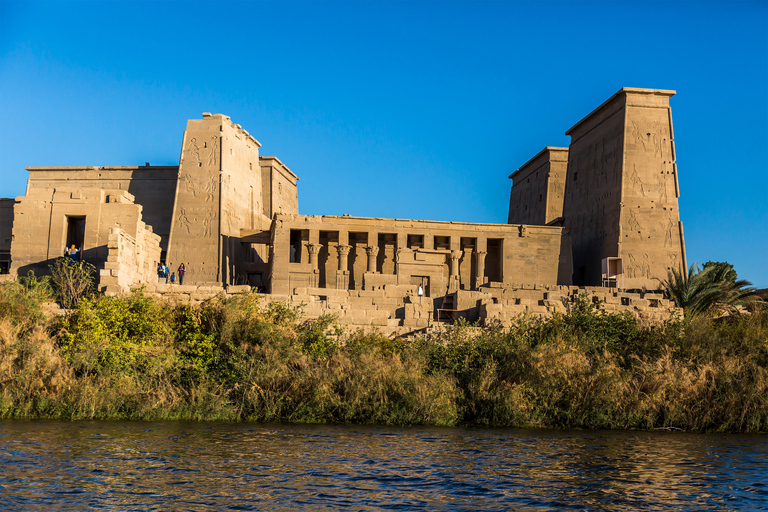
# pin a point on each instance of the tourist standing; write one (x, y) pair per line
(173, 278)
(73, 254)
(182, 271)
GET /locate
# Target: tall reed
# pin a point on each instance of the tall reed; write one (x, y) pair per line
(137, 358)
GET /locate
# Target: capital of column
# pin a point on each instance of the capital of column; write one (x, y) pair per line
(455, 255)
(343, 249)
(314, 250)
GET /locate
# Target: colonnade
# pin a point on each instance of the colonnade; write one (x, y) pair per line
(456, 254)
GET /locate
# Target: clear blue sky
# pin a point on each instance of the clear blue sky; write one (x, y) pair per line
(397, 109)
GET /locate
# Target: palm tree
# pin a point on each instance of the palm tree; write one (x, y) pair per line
(700, 290)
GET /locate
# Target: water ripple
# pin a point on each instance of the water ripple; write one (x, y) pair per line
(48, 465)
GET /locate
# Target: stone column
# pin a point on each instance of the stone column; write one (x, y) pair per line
(343, 255)
(314, 250)
(455, 257)
(373, 252)
(453, 280)
(480, 278)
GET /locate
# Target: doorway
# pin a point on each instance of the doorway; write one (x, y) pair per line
(75, 232)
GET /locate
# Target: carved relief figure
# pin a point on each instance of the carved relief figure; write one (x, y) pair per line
(645, 269)
(672, 261)
(669, 231)
(214, 151)
(652, 140)
(636, 181)
(662, 187)
(557, 187)
(208, 223)
(633, 267)
(183, 220)
(198, 188)
(193, 151)
(633, 224)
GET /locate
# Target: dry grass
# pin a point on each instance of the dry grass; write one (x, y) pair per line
(234, 360)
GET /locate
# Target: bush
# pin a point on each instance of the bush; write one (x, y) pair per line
(134, 357)
(71, 281)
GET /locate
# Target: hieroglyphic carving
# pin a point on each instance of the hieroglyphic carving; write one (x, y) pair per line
(637, 182)
(669, 230)
(214, 151)
(205, 189)
(184, 221)
(651, 140)
(208, 223)
(633, 223)
(632, 268)
(645, 267)
(609, 161)
(557, 187)
(673, 261)
(193, 152)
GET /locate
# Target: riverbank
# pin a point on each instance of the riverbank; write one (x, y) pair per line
(134, 357)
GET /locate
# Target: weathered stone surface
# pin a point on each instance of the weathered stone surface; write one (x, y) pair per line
(231, 216)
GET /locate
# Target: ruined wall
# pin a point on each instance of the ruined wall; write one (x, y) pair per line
(538, 188)
(397, 309)
(153, 187)
(621, 193)
(48, 221)
(131, 260)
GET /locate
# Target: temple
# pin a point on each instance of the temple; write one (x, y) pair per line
(599, 217)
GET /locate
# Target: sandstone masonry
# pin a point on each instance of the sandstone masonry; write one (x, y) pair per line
(601, 214)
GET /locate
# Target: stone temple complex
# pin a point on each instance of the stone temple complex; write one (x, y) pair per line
(598, 217)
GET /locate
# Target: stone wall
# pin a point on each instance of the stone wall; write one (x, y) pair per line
(151, 186)
(131, 260)
(538, 188)
(621, 191)
(397, 309)
(46, 222)
(224, 188)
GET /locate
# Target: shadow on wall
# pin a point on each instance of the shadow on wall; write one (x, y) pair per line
(96, 256)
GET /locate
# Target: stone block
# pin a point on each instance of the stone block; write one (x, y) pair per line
(112, 290)
(232, 289)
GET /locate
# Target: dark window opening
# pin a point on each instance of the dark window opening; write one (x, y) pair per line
(295, 246)
(5, 263)
(415, 241)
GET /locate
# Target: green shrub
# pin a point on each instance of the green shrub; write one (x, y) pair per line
(72, 281)
(114, 333)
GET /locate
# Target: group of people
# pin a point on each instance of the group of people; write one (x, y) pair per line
(164, 272)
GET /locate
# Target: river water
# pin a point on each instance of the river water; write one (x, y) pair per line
(88, 465)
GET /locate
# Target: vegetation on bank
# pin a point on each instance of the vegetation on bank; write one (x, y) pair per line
(135, 357)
